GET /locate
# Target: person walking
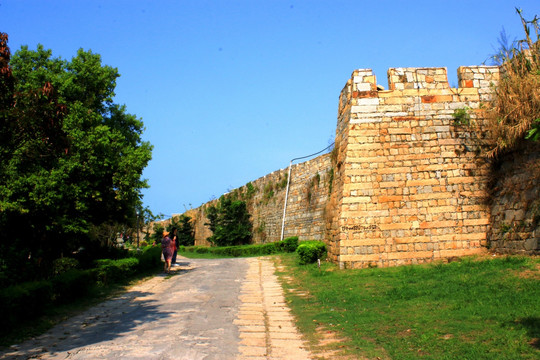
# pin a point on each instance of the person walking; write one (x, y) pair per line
(167, 249)
(176, 242)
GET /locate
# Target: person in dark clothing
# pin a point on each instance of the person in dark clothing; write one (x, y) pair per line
(174, 238)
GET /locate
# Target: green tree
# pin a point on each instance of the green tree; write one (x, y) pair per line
(229, 222)
(157, 234)
(185, 231)
(71, 159)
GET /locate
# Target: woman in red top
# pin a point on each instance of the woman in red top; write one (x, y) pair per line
(167, 247)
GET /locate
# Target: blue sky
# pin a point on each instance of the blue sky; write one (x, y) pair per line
(232, 90)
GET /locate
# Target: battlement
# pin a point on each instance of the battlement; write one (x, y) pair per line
(410, 85)
(363, 80)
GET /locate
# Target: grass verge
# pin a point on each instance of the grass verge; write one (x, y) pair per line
(471, 309)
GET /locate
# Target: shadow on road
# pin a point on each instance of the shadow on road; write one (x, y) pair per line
(105, 322)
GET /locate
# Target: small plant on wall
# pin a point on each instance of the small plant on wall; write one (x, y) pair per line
(313, 183)
(462, 117)
(268, 192)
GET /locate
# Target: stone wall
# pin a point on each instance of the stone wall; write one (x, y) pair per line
(308, 195)
(515, 203)
(411, 186)
(406, 182)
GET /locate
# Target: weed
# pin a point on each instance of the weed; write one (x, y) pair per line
(462, 117)
(330, 180)
(504, 228)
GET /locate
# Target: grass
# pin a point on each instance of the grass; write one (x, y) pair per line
(472, 309)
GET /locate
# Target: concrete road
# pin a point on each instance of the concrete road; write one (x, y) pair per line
(209, 309)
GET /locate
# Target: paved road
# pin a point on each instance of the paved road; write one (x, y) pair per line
(210, 309)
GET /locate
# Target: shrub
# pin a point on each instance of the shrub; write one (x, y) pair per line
(72, 284)
(149, 258)
(309, 251)
(287, 245)
(291, 244)
(64, 264)
(24, 301)
(110, 271)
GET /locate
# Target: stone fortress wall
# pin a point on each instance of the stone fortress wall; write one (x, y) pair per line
(405, 183)
(308, 193)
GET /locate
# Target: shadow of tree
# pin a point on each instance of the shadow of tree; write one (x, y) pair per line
(532, 326)
(104, 322)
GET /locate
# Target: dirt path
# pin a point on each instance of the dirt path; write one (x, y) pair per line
(210, 309)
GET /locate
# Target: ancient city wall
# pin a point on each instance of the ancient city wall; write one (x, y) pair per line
(406, 182)
(308, 194)
(515, 203)
(411, 186)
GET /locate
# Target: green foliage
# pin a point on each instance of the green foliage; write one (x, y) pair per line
(149, 258)
(534, 133)
(261, 228)
(250, 190)
(330, 180)
(157, 235)
(28, 300)
(462, 116)
(64, 264)
(115, 270)
(268, 192)
(504, 228)
(229, 222)
(287, 245)
(309, 251)
(185, 232)
(24, 301)
(516, 110)
(70, 158)
(282, 184)
(72, 284)
(290, 244)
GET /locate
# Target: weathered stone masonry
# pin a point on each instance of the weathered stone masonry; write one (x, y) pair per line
(411, 187)
(405, 183)
(308, 194)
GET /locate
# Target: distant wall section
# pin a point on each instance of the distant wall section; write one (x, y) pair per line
(306, 205)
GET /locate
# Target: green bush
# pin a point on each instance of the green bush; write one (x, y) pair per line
(149, 258)
(72, 284)
(287, 245)
(309, 251)
(64, 264)
(111, 271)
(24, 301)
(290, 244)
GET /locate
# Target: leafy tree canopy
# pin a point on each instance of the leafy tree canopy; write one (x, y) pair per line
(70, 158)
(185, 232)
(229, 222)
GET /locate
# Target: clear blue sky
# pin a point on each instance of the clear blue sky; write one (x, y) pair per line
(231, 90)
